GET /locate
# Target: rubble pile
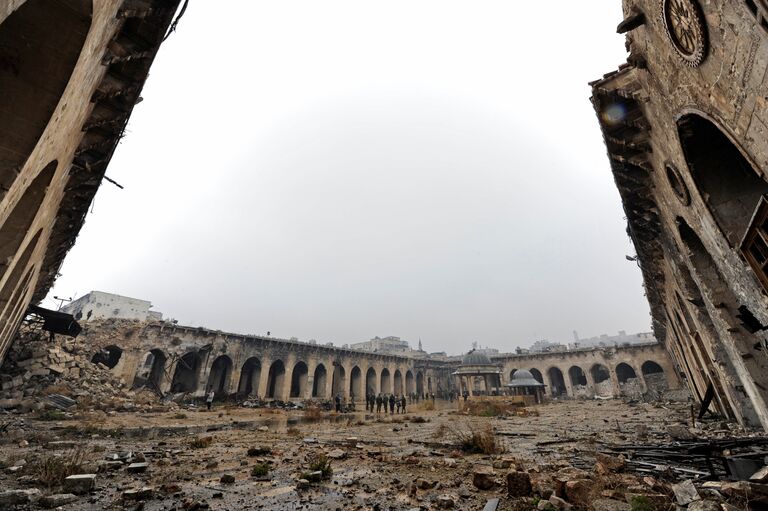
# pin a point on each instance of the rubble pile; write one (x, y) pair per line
(40, 373)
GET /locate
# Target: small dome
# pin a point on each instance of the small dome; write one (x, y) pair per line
(522, 374)
(476, 359)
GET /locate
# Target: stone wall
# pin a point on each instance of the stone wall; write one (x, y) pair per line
(685, 128)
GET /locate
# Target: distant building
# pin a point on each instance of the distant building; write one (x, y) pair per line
(101, 305)
(545, 346)
(615, 340)
(390, 344)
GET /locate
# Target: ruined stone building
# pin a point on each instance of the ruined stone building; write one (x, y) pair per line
(70, 73)
(685, 121)
(172, 358)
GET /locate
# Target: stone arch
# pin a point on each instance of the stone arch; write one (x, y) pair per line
(625, 372)
(108, 356)
(557, 382)
(386, 381)
(299, 379)
(275, 380)
(320, 381)
(410, 386)
(651, 367)
(419, 383)
(38, 58)
(20, 219)
(152, 369)
(601, 376)
(356, 389)
(577, 376)
(370, 380)
(339, 382)
(397, 382)
(512, 373)
(220, 374)
(537, 375)
(187, 373)
(727, 183)
(250, 375)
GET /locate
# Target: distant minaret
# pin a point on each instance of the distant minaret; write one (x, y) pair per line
(575, 336)
(420, 344)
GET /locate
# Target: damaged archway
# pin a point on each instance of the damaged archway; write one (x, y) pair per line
(370, 380)
(275, 380)
(108, 356)
(187, 373)
(299, 378)
(601, 376)
(151, 371)
(219, 376)
(250, 375)
(356, 389)
(386, 382)
(557, 382)
(320, 381)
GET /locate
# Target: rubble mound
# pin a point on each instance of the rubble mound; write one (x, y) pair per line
(40, 372)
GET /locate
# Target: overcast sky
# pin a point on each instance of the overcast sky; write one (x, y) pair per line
(340, 170)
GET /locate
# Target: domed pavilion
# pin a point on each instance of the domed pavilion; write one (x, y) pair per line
(477, 367)
(524, 384)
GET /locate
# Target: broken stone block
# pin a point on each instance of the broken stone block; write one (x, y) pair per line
(15, 497)
(301, 484)
(423, 484)
(519, 484)
(685, 492)
(136, 468)
(483, 478)
(144, 493)
(80, 483)
(227, 479)
(56, 500)
(610, 505)
(559, 503)
(445, 501)
(761, 476)
(579, 492)
(704, 505)
(337, 454)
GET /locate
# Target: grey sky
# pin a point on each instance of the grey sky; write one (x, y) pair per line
(339, 170)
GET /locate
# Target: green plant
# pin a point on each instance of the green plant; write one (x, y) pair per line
(318, 462)
(641, 503)
(51, 415)
(260, 470)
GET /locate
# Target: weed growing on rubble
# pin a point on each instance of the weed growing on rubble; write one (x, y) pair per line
(201, 442)
(478, 441)
(427, 405)
(260, 470)
(51, 415)
(51, 470)
(641, 503)
(292, 431)
(318, 462)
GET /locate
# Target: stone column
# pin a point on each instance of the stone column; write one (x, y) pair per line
(614, 381)
(285, 395)
(311, 367)
(266, 365)
(330, 369)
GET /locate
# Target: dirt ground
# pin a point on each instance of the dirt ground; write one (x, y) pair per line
(378, 462)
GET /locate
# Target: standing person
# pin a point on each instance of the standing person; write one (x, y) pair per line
(402, 403)
(466, 395)
(433, 398)
(397, 403)
(391, 404)
(378, 403)
(367, 401)
(373, 400)
(209, 398)
(338, 402)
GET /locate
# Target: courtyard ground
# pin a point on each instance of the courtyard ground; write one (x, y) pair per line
(259, 458)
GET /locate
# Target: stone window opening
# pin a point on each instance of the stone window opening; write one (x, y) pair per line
(109, 356)
(728, 184)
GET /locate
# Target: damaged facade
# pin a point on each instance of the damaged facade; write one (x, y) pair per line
(685, 123)
(70, 73)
